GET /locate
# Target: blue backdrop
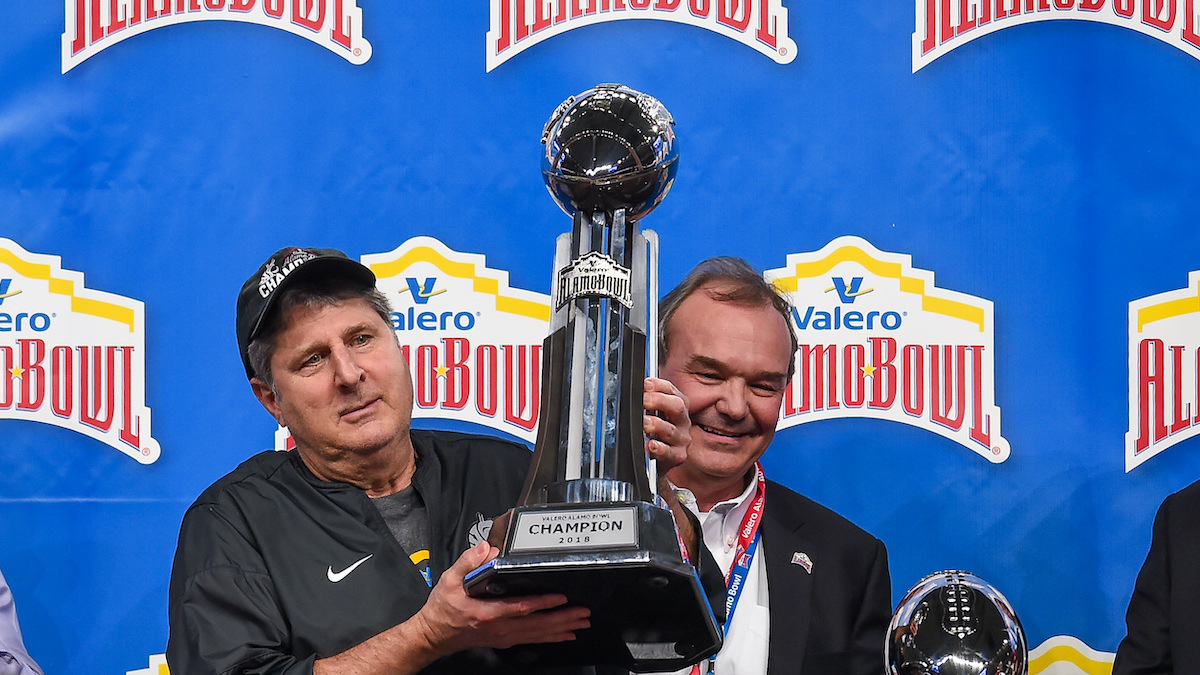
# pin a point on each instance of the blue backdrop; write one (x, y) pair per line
(1046, 166)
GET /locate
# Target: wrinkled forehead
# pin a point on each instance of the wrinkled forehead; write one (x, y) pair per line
(297, 306)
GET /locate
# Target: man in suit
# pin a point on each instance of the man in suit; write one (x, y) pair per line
(1163, 635)
(809, 592)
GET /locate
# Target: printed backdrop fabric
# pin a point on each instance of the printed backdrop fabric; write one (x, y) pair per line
(983, 210)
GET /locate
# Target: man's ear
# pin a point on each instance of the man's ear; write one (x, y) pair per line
(269, 400)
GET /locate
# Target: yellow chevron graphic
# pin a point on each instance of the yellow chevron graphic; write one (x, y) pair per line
(951, 308)
(104, 310)
(480, 284)
(1168, 309)
(1067, 655)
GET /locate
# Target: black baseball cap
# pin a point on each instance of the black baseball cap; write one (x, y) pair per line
(282, 271)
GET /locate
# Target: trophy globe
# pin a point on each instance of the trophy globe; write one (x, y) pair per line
(609, 148)
(955, 623)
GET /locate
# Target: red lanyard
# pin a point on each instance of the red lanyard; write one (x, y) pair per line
(743, 556)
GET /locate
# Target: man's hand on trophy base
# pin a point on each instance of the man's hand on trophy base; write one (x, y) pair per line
(452, 621)
(666, 423)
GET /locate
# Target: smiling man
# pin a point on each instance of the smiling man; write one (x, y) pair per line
(347, 555)
(809, 592)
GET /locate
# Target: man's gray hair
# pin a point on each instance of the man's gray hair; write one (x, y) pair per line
(725, 279)
(313, 294)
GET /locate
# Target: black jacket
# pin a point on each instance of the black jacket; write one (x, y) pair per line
(259, 583)
(832, 618)
(1163, 622)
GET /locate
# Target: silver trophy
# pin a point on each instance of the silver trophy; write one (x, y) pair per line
(954, 623)
(587, 525)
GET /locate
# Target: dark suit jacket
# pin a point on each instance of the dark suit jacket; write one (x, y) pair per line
(1163, 619)
(832, 621)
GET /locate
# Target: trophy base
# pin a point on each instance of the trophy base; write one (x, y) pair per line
(649, 611)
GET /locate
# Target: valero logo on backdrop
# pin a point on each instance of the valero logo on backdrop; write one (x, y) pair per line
(1164, 372)
(473, 343)
(878, 339)
(517, 25)
(94, 25)
(943, 25)
(71, 356)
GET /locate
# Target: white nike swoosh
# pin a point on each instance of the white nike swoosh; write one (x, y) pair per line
(338, 576)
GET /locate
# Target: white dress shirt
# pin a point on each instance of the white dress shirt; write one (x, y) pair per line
(747, 638)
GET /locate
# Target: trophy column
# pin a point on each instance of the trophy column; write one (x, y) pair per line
(596, 358)
(587, 526)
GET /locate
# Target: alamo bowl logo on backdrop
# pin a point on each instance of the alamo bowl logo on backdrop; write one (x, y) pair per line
(517, 25)
(473, 343)
(878, 339)
(70, 356)
(943, 25)
(95, 25)
(1164, 371)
